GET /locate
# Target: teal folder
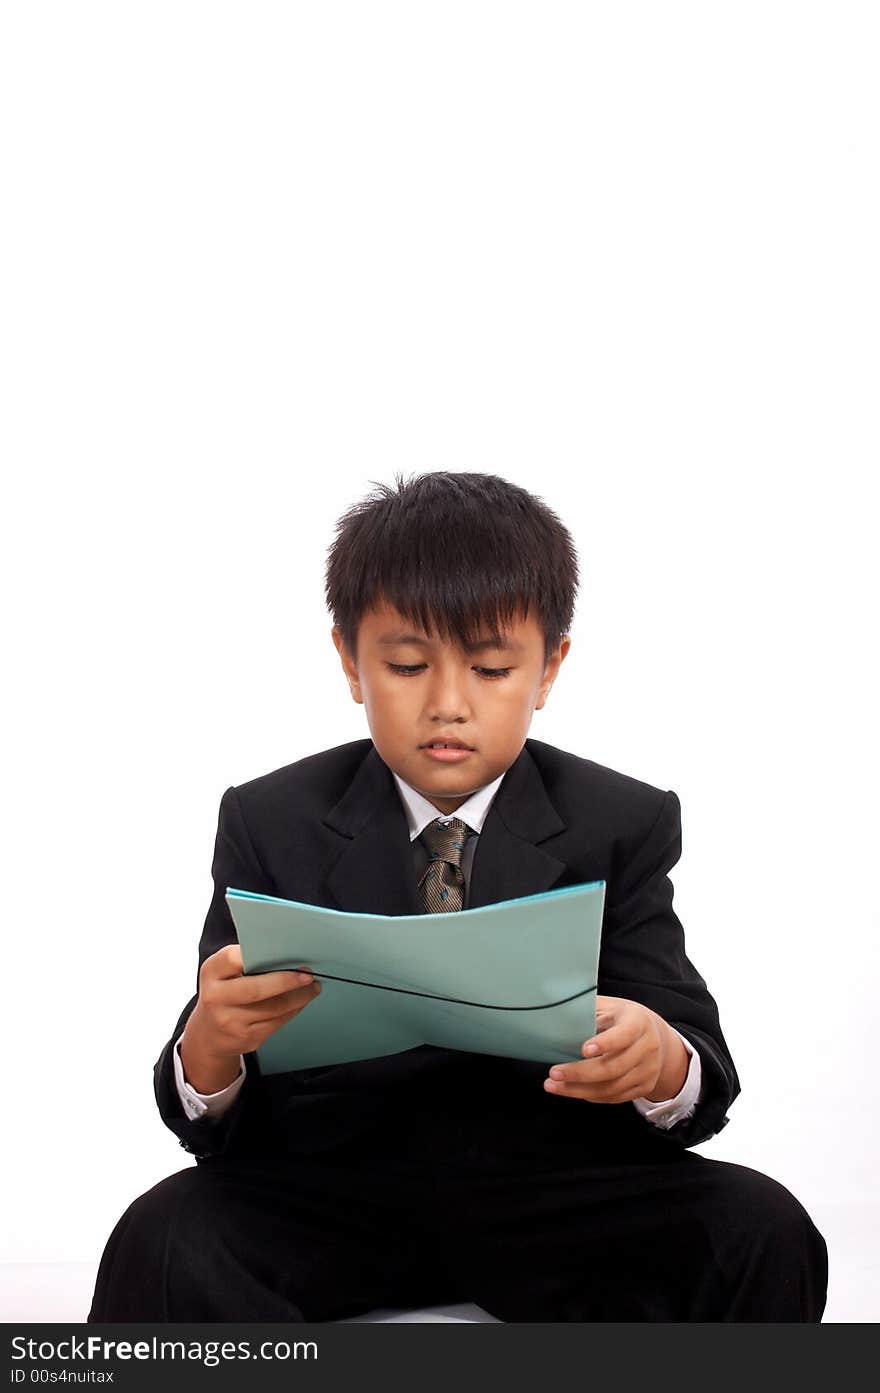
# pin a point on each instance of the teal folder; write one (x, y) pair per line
(515, 978)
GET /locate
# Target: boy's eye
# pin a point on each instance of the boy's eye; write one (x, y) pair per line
(407, 670)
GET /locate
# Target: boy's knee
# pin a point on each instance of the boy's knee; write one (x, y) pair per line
(775, 1258)
(132, 1270)
(773, 1212)
(153, 1213)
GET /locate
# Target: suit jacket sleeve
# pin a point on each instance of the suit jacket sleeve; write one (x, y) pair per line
(643, 959)
(235, 863)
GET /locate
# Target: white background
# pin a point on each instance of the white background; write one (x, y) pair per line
(258, 256)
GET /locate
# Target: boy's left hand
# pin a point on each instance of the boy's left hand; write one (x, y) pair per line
(634, 1054)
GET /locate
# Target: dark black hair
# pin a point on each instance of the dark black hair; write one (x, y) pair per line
(457, 553)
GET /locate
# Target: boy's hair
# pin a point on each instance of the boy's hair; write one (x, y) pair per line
(454, 552)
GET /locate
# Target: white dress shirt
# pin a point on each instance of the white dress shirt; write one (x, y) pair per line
(419, 812)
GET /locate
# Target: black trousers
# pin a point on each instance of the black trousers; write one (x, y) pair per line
(676, 1237)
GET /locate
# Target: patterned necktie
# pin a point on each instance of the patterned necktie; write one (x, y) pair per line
(442, 885)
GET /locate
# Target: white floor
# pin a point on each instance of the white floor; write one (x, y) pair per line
(62, 1291)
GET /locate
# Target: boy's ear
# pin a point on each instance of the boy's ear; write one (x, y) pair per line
(348, 665)
(554, 663)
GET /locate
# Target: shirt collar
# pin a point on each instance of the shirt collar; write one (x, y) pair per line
(419, 811)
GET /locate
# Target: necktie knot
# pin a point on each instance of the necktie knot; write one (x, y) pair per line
(442, 884)
(445, 840)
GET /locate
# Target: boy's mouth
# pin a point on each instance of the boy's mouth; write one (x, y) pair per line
(446, 751)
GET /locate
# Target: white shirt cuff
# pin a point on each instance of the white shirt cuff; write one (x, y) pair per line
(197, 1105)
(666, 1113)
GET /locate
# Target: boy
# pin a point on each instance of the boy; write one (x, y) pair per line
(431, 1175)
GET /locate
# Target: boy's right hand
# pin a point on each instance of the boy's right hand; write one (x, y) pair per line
(234, 1014)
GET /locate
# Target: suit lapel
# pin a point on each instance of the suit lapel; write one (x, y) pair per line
(374, 871)
(508, 859)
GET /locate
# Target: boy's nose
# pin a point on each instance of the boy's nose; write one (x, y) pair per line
(447, 702)
(447, 697)
(447, 712)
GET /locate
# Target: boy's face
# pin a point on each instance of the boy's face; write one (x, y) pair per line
(446, 692)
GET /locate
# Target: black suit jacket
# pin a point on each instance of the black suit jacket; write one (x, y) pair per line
(331, 830)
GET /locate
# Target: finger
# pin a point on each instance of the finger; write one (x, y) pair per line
(613, 1039)
(226, 962)
(629, 1085)
(289, 1004)
(612, 1064)
(600, 1069)
(259, 987)
(276, 983)
(608, 1007)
